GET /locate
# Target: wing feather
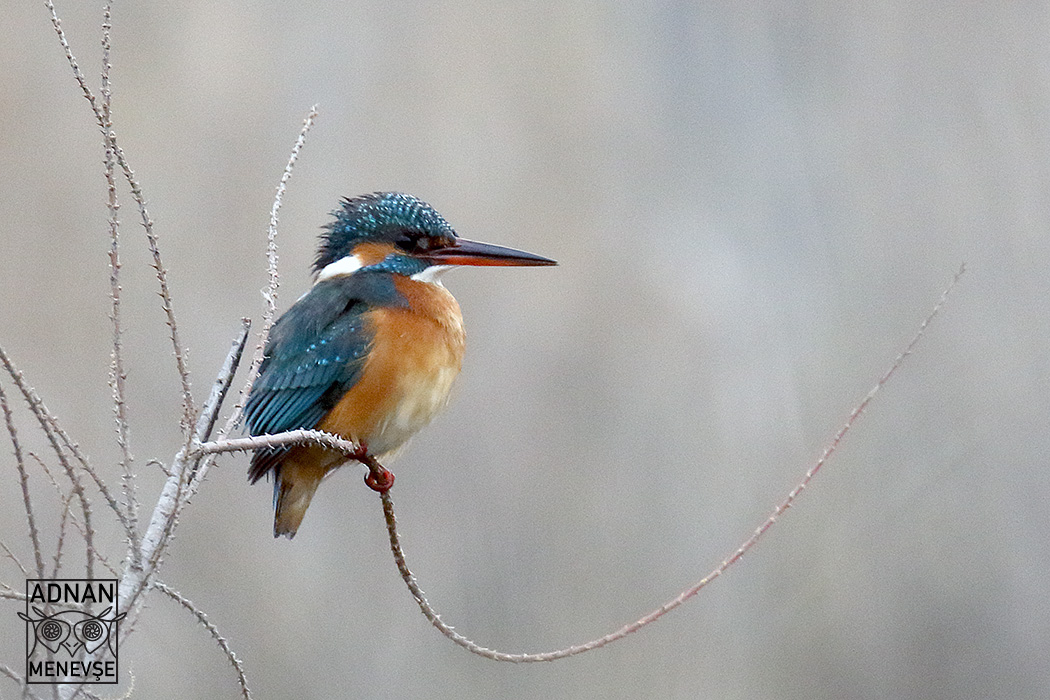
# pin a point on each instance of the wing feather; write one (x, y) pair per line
(315, 354)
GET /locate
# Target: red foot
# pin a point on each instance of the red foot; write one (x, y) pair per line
(382, 482)
(378, 478)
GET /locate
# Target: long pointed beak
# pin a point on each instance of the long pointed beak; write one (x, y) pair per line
(467, 252)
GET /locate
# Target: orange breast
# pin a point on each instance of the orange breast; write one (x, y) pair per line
(416, 355)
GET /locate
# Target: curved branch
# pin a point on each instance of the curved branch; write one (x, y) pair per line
(246, 693)
(760, 531)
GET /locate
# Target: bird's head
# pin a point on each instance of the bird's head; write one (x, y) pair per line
(404, 235)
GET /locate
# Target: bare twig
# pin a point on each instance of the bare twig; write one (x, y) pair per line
(62, 495)
(23, 478)
(209, 415)
(213, 630)
(202, 467)
(131, 687)
(292, 437)
(85, 464)
(12, 557)
(270, 294)
(136, 579)
(117, 374)
(10, 593)
(67, 515)
(210, 411)
(48, 423)
(186, 463)
(271, 235)
(182, 482)
(271, 232)
(186, 420)
(7, 671)
(469, 645)
(59, 438)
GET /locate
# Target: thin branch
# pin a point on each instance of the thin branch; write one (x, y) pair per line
(13, 675)
(67, 515)
(186, 421)
(23, 477)
(117, 374)
(201, 468)
(469, 645)
(52, 431)
(85, 464)
(184, 471)
(56, 434)
(210, 411)
(62, 495)
(213, 630)
(12, 557)
(131, 687)
(107, 93)
(271, 232)
(292, 437)
(270, 294)
(17, 678)
(11, 594)
(271, 236)
(162, 523)
(221, 386)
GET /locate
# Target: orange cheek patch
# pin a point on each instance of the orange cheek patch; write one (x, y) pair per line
(373, 253)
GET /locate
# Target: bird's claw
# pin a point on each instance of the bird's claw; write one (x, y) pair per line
(379, 480)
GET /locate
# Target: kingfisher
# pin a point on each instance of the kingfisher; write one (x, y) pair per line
(370, 352)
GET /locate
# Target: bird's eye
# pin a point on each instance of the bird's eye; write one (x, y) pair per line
(414, 243)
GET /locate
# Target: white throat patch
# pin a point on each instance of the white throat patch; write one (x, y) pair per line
(432, 275)
(340, 268)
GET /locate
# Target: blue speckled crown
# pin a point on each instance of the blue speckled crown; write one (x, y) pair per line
(379, 217)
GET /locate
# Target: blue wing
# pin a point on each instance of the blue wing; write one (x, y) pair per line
(314, 355)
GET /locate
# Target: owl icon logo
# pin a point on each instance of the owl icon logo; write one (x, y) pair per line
(69, 630)
(66, 641)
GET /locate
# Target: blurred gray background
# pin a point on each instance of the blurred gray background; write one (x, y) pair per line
(754, 205)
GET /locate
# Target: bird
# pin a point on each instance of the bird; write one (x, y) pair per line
(371, 351)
